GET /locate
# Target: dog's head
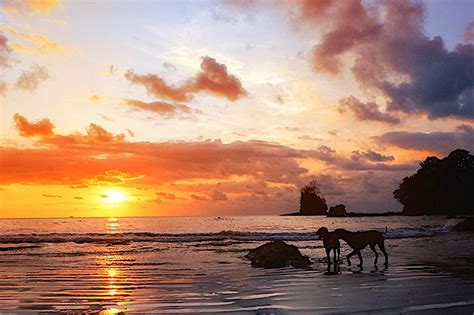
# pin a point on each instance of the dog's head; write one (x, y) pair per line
(322, 232)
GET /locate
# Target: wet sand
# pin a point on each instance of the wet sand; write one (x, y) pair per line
(423, 277)
(426, 274)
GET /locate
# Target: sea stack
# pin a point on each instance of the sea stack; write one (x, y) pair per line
(312, 202)
(337, 211)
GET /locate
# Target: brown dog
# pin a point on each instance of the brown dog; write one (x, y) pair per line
(330, 243)
(359, 240)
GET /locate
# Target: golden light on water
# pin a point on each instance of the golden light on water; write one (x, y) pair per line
(112, 225)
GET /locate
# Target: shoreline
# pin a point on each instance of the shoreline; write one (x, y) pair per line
(349, 214)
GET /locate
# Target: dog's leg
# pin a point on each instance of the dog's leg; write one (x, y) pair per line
(338, 254)
(372, 247)
(382, 248)
(360, 258)
(328, 255)
(335, 259)
(349, 257)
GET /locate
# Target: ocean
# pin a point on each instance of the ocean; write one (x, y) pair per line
(197, 265)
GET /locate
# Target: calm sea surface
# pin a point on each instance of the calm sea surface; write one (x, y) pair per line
(196, 264)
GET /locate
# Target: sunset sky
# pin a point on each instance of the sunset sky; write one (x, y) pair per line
(121, 108)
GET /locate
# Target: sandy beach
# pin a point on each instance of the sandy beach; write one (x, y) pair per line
(430, 270)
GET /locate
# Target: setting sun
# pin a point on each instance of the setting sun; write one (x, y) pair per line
(112, 196)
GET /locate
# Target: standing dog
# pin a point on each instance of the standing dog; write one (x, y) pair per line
(330, 243)
(359, 240)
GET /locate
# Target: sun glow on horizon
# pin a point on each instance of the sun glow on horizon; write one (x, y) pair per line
(113, 196)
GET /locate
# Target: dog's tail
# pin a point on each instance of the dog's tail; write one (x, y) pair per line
(386, 229)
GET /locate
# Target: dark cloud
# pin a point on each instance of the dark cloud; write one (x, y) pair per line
(392, 55)
(365, 111)
(441, 142)
(131, 133)
(442, 82)
(52, 196)
(197, 197)
(333, 185)
(328, 155)
(364, 191)
(4, 60)
(217, 195)
(371, 156)
(370, 184)
(4, 51)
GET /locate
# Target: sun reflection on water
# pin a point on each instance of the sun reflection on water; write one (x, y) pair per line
(112, 288)
(113, 282)
(112, 225)
(111, 311)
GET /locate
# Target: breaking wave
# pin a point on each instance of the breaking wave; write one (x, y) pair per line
(125, 238)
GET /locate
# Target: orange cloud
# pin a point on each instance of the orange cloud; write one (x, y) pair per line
(29, 80)
(43, 127)
(340, 36)
(95, 134)
(78, 186)
(241, 171)
(28, 6)
(113, 177)
(34, 44)
(158, 87)
(101, 157)
(166, 195)
(212, 78)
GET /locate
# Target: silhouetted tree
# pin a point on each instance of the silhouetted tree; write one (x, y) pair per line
(443, 186)
(312, 200)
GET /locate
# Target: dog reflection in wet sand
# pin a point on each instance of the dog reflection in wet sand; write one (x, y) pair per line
(357, 241)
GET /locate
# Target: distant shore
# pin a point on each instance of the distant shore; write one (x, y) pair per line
(349, 214)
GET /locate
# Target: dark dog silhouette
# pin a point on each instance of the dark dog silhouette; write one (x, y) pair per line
(359, 240)
(330, 243)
